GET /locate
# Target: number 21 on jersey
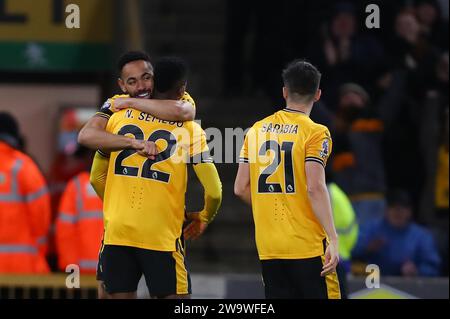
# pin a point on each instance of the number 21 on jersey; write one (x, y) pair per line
(286, 149)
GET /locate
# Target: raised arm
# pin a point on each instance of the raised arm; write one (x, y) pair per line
(94, 136)
(169, 110)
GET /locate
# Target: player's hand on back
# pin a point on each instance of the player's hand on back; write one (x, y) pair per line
(331, 258)
(195, 228)
(145, 148)
(120, 103)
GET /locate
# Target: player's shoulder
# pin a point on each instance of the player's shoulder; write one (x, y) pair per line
(194, 126)
(260, 123)
(272, 118)
(106, 106)
(118, 96)
(188, 98)
(317, 128)
(125, 115)
(108, 102)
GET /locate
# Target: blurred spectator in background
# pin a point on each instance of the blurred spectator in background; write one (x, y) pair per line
(396, 244)
(411, 50)
(24, 206)
(432, 26)
(434, 204)
(358, 163)
(65, 166)
(412, 74)
(346, 227)
(343, 53)
(79, 224)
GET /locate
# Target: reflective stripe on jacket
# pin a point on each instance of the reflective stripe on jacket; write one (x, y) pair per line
(79, 225)
(24, 214)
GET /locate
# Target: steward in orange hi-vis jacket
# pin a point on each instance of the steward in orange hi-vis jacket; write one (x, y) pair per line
(24, 206)
(79, 226)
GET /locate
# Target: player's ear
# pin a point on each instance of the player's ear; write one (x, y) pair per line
(181, 90)
(285, 93)
(317, 95)
(122, 85)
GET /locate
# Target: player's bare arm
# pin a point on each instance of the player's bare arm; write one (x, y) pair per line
(94, 136)
(168, 110)
(242, 183)
(320, 202)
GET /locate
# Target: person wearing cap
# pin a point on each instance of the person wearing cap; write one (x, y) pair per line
(395, 243)
(24, 206)
(358, 165)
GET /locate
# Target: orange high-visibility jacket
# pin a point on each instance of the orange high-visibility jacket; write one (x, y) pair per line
(24, 214)
(79, 225)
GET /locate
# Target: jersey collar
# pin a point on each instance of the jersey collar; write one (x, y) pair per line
(286, 109)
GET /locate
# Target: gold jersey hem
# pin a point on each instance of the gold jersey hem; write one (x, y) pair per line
(139, 245)
(295, 256)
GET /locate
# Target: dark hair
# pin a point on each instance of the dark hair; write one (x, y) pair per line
(170, 73)
(398, 197)
(10, 131)
(9, 125)
(130, 57)
(302, 78)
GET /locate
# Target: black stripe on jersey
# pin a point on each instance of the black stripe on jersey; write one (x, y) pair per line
(314, 159)
(293, 111)
(243, 160)
(103, 114)
(202, 158)
(103, 154)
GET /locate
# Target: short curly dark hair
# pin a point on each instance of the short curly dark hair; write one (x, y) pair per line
(171, 73)
(131, 56)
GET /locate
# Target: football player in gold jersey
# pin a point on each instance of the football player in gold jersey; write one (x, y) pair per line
(144, 197)
(281, 175)
(136, 82)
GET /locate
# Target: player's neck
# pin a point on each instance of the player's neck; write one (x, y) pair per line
(303, 108)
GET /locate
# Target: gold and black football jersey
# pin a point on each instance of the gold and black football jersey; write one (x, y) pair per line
(145, 199)
(276, 149)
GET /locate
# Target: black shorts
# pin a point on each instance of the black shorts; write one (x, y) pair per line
(99, 274)
(298, 278)
(165, 272)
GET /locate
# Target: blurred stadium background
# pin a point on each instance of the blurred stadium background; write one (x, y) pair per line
(52, 79)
